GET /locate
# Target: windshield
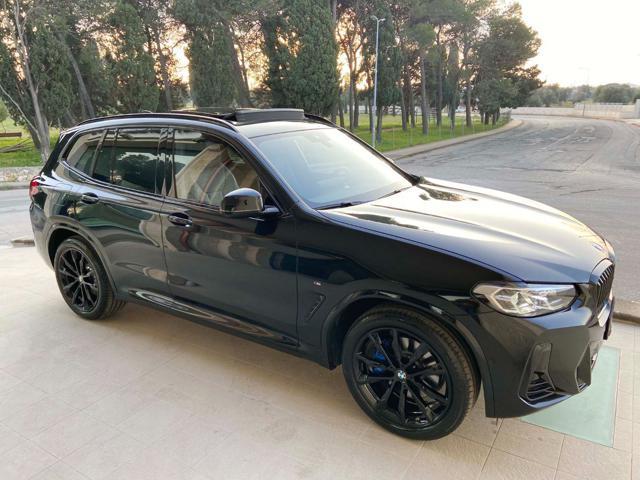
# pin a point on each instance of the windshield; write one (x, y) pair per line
(327, 168)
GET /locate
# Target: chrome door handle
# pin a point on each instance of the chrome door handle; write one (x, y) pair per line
(180, 219)
(89, 198)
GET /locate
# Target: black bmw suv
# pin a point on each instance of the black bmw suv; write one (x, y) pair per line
(283, 228)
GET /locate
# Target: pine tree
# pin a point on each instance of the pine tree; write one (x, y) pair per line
(302, 53)
(130, 65)
(210, 72)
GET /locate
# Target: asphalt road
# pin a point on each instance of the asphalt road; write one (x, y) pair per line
(14, 215)
(588, 168)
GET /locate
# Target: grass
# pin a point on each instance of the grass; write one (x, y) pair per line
(393, 137)
(30, 157)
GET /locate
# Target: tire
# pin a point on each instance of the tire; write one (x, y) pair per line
(425, 370)
(83, 282)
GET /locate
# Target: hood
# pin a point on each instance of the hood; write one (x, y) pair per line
(523, 238)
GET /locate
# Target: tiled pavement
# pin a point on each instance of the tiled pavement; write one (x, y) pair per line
(149, 396)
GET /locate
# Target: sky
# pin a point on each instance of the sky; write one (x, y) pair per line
(594, 41)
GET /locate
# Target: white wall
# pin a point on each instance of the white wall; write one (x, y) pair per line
(592, 110)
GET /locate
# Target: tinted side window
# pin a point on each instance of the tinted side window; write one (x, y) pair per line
(102, 168)
(206, 169)
(129, 158)
(135, 158)
(81, 154)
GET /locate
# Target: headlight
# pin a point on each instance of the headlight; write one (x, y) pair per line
(528, 300)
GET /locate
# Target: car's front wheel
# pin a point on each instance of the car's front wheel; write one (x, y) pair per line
(83, 281)
(408, 373)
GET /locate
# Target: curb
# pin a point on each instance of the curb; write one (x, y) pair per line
(428, 147)
(627, 310)
(22, 242)
(13, 185)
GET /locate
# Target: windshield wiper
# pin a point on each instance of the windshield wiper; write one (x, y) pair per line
(393, 193)
(339, 205)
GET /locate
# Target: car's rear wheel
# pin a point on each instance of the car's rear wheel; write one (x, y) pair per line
(83, 281)
(408, 373)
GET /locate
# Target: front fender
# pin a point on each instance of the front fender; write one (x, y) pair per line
(448, 313)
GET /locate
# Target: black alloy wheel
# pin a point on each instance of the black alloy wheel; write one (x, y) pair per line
(83, 281)
(78, 280)
(402, 377)
(408, 373)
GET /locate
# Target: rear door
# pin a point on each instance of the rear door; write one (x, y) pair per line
(238, 272)
(119, 204)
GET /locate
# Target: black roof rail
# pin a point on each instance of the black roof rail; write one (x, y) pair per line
(255, 115)
(318, 118)
(218, 120)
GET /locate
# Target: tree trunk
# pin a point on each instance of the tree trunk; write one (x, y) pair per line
(370, 113)
(356, 108)
(379, 125)
(340, 111)
(494, 118)
(86, 106)
(439, 93)
(403, 108)
(39, 134)
(412, 107)
(350, 106)
(452, 115)
(467, 105)
(241, 87)
(164, 72)
(423, 94)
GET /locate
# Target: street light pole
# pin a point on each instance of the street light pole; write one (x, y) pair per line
(375, 82)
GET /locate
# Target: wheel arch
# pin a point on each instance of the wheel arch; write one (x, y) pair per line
(342, 318)
(61, 232)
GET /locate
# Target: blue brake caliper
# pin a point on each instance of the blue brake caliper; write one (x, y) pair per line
(378, 356)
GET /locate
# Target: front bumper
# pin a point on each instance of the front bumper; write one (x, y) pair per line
(537, 362)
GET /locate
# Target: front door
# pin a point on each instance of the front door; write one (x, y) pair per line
(237, 272)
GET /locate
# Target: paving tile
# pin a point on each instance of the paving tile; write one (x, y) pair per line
(102, 456)
(635, 439)
(72, 433)
(190, 441)
(24, 461)
(449, 457)
(118, 406)
(627, 381)
(238, 458)
(153, 420)
(17, 398)
(8, 439)
(60, 471)
(38, 417)
(624, 406)
(152, 465)
(528, 441)
(623, 435)
(504, 466)
(7, 382)
(62, 376)
(593, 461)
(402, 447)
(565, 476)
(478, 427)
(635, 467)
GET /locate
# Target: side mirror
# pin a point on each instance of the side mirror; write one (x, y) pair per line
(243, 202)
